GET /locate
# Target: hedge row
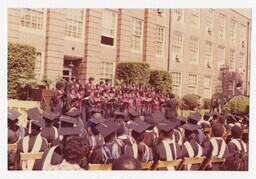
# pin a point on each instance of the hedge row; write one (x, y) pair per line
(21, 64)
(139, 73)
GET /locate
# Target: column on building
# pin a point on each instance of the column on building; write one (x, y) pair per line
(54, 45)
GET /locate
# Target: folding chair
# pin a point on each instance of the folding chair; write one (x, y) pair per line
(31, 156)
(147, 165)
(12, 147)
(191, 161)
(166, 164)
(100, 167)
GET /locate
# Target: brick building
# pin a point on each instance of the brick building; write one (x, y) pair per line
(192, 44)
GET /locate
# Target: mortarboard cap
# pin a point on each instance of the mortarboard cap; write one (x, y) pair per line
(37, 123)
(97, 118)
(67, 121)
(51, 116)
(133, 113)
(138, 126)
(13, 115)
(190, 127)
(33, 113)
(182, 120)
(158, 116)
(73, 112)
(194, 118)
(68, 131)
(166, 125)
(107, 128)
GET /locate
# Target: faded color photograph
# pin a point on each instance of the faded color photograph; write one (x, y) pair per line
(128, 89)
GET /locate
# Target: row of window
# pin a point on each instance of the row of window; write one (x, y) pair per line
(33, 18)
(177, 52)
(210, 16)
(192, 85)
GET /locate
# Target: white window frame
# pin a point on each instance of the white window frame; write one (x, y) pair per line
(224, 58)
(208, 54)
(105, 71)
(191, 87)
(195, 13)
(210, 21)
(192, 51)
(222, 32)
(178, 16)
(210, 88)
(158, 27)
(233, 30)
(241, 62)
(179, 86)
(178, 46)
(115, 29)
(242, 34)
(40, 72)
(134, 35)
(31, 29)
(73, 21)
(233, 61)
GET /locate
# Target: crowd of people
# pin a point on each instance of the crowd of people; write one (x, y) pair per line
(124, 126)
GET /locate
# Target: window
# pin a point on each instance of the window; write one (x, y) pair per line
(74, 23)
(178, 15)
(232, 60)
(136, 42)
(39, 66)
(210, 21)
(207, 92)
(242, 35)
(221, 56)
(177, 46)
(107, 70)
(192, 84)
(32, 18)
(195, 18)
(108, 27)
(176, 83)
(159, 40)
(232, 31)
(241, 62)
(222, 26)
(208, 54)
(194, 50)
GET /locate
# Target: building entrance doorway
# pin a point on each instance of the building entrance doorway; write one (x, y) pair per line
(71, 67)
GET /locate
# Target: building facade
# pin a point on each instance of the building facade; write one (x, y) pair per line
(191, 44)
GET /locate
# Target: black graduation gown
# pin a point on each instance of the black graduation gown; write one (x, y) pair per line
(209, 150)
(100, 156)
(49, 134)
(32, 139)
(56, 158)
(171, 109)
(197, 153)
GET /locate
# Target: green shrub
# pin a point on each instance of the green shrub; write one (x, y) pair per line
(161, 80)
(207, 103)
(189, 101)
(133, 72)
(21, 64)
(238, 104)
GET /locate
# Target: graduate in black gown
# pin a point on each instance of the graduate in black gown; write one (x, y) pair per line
(15, 133)
(49, 132)
(191, 148)
(110, 150)
(166, 149)
(33, 142)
